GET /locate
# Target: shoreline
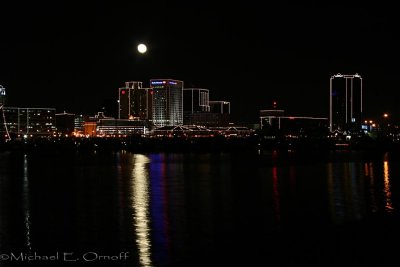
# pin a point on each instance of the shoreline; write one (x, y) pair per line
(214, 144)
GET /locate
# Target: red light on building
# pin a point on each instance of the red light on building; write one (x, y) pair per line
(122, 92)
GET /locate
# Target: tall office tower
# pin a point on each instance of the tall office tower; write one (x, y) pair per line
(167, 102)
(195, 100)
(134, 101)
(345, 103)
(2, 95)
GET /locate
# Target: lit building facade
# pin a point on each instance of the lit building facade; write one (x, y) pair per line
(275, 122)
(293, 125)
(167, 96)
(119, 127)
(102, 126)
(134, 102)
(2, 95)
(345, 103)
(223, 107)
(271, 117)
(210, 119)
(79, 124)
(195, 100)
(219, 114)
(30, 121)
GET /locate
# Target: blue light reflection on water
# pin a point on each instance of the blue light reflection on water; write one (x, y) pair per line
(159, 207)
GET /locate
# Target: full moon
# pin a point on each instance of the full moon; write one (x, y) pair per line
(142, 48)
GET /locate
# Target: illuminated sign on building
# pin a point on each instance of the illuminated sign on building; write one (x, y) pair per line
(163, 82)
(158, 82)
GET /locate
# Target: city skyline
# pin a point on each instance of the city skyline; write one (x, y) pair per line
(74, 57)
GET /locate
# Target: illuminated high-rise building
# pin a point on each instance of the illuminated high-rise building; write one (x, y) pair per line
(195, 100)
(167, 102)
(2, 95)
(134, 102)
(345, 103)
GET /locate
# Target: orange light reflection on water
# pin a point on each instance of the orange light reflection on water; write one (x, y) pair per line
(387, 189)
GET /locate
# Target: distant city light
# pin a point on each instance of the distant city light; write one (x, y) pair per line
(385, 115)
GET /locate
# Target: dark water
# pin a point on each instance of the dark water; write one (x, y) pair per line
(269, 209)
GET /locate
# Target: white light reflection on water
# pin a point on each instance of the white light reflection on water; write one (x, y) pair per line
(140, 203)
(26, 205)
(387, 190)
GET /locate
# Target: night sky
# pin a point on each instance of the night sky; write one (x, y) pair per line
(73, 56)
